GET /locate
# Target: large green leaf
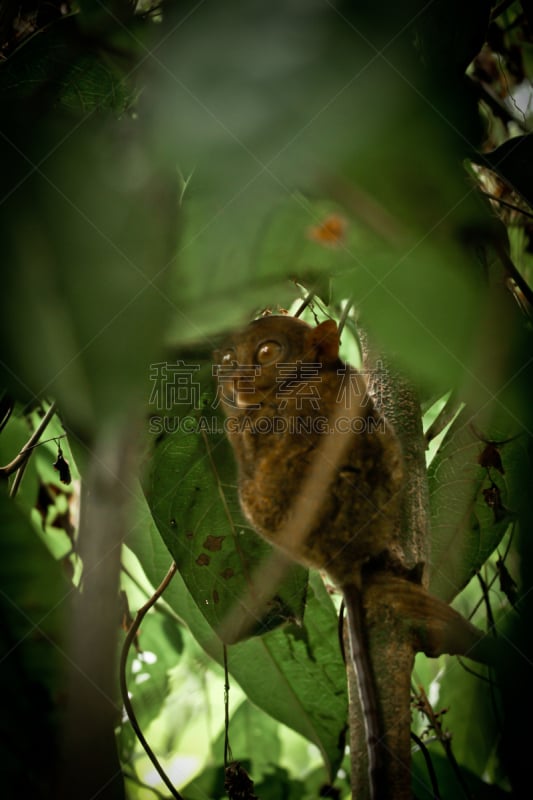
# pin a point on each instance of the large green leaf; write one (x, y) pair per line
(472, 501)
(289, 114)
(281, 240)
(420, 302)
(295, 673)
(306, 680)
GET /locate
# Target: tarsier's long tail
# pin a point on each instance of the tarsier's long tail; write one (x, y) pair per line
(360, 657)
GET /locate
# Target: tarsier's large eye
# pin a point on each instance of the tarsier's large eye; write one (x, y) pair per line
(228, 357)
(268, 353)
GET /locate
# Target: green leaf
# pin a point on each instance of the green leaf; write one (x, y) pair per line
(471, 505)
(88, 264)
(58, 66)
(418, 307)
(301, 681)
(253, 736)
(281, 240)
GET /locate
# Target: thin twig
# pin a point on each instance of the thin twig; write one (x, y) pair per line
(18, 479)
(489, 96)
(509, 543)
(228, 756)
(162, 608)
(492, 628)
(141, 613)
(24, 455)
(444, 739)
(480, 601)
(7, 406)
(473, 672)
(494, 578)
(505, 203)
(22, 469)
(45, 441)
(306, 301)
(486, 598)
(32, 441)
(429, 765)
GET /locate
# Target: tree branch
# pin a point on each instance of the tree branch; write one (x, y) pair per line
(132, 632)
(391, 643)
(25, 453)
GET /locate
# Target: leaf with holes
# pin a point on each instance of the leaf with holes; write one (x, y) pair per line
(472, 501)
(301, 680)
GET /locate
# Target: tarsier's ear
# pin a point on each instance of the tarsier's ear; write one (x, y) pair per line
(323, 342)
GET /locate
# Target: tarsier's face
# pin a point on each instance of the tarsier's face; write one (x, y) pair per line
(255, 360)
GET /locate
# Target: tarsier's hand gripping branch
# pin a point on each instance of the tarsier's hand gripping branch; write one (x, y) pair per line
(297, 412)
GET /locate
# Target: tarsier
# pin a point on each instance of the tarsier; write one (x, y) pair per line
(285, 389)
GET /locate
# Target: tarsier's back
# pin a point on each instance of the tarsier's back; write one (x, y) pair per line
(285, 390)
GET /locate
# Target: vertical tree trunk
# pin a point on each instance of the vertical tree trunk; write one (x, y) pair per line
(391, 645)
(90, 766)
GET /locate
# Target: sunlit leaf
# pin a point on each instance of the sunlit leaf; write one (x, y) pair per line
(301, 681)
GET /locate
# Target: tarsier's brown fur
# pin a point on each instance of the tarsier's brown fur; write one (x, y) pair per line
(280, 368)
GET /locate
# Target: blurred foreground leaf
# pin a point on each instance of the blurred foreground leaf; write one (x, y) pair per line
(83, 301)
